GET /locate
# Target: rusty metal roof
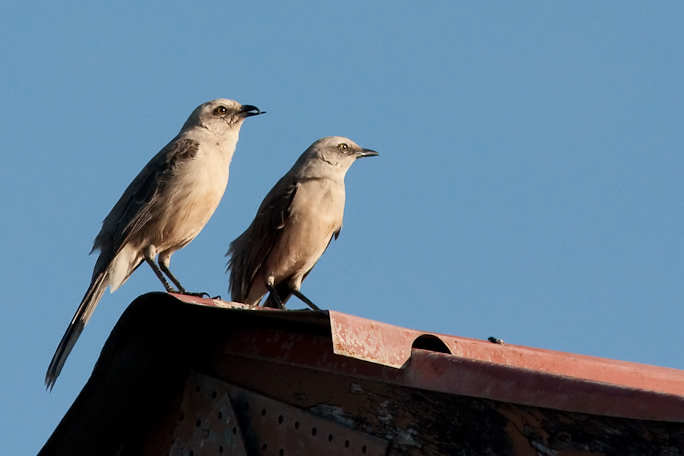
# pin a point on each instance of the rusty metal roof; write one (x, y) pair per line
(356, 375)
(479, 368)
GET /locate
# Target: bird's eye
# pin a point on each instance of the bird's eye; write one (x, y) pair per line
(220, 110)
(342, 146)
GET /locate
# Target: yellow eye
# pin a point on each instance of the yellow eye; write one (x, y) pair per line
(220, 110)
(342, 146)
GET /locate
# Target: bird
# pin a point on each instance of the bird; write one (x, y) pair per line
(294, 225)
(162, 210)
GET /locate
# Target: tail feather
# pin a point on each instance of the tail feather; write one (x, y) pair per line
(237, 285)
(85, 310)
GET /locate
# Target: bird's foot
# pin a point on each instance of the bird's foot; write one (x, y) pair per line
(202, 294)
(278, 304)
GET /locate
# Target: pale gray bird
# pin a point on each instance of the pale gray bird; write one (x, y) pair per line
(162, 210)
(293, 226)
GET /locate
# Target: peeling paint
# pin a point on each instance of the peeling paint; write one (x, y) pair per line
(405, 438)
(333, 413)
(355, 388)
(384, 416)
(543, 449)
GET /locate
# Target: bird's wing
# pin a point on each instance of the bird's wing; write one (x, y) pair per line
(132, 211)
(250, 251)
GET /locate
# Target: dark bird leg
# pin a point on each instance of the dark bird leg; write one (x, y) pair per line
(164, 266)
(274, 298)
(159, 275)
(173, 278)
(306, 300)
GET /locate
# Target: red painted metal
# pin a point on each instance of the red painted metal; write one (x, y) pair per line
(368, 349)
(425, 394)
(391, 345)
(212, 302)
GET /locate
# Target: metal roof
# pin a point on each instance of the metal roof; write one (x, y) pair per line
(471, 367)
(361, 379)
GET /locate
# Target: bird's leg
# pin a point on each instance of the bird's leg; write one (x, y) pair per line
(173, 278)
(164, 261)
(306, 300)
(275, 296)
(159, 275)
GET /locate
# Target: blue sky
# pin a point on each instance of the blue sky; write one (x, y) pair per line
(530, 183)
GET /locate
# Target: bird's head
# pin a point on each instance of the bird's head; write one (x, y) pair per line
(338, 151)
(220, 116)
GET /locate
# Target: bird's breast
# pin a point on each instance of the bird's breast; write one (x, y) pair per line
(316, 214)
(194, 193)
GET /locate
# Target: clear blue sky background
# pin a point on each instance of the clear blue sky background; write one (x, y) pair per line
(530, 184)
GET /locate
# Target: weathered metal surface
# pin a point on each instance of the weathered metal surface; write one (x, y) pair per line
(296, 316)
(479, 368)
(436, 404)
(212, 302)
(207, 423)
(457, 375)
(391, 346)
(371, 340)
(415, 422)
(439, 372)
(420, 422)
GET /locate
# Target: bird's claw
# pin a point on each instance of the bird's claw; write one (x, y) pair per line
(201, 294)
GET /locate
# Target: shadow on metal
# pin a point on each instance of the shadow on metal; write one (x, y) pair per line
(431, 343)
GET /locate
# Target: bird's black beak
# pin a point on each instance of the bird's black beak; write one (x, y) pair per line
(249, 110)
(366, 153)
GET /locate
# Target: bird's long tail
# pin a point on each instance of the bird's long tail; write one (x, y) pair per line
(85, 310)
